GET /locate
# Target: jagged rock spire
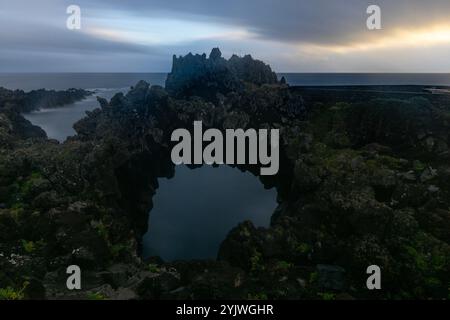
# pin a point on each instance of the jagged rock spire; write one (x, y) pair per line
(215, 54)
(205, 77)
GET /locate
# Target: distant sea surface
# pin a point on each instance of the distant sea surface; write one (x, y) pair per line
(366, 79)
(61, 81)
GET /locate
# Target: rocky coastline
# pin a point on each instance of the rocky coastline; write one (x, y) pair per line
(363, 180)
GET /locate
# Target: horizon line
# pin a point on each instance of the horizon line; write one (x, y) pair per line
(166, 72)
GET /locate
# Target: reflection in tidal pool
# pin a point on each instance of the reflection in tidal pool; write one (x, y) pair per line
(194, 211)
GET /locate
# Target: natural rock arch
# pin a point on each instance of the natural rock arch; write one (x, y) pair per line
(138, 178)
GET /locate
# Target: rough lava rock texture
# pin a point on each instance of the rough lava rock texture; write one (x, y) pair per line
(197, 75)
(364, 179)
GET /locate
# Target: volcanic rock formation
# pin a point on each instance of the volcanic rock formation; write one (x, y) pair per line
(364, 179)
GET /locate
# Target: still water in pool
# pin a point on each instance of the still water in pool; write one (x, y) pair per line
(194, 211)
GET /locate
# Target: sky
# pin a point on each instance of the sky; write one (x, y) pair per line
(290, 35)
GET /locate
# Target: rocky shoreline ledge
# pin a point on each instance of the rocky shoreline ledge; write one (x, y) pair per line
(363, 180)
(15, 102)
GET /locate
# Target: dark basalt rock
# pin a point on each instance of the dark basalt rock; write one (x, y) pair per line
(331, 277)
(197, 75)
(22, 101)
(21, 127)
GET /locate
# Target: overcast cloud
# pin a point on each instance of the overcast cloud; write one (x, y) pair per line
(292, 35)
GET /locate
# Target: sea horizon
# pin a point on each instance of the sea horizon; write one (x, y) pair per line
(92, 80)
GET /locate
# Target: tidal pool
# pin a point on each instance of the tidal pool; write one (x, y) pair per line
(194, 211)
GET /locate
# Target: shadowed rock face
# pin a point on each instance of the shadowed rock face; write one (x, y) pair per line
(197, 75)
(353, 190)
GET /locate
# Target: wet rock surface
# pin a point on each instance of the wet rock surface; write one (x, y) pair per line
(363, 180)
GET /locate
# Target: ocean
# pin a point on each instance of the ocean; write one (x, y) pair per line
(61, 81)
(366, 79)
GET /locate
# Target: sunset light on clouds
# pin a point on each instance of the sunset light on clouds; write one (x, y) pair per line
(289, 37)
